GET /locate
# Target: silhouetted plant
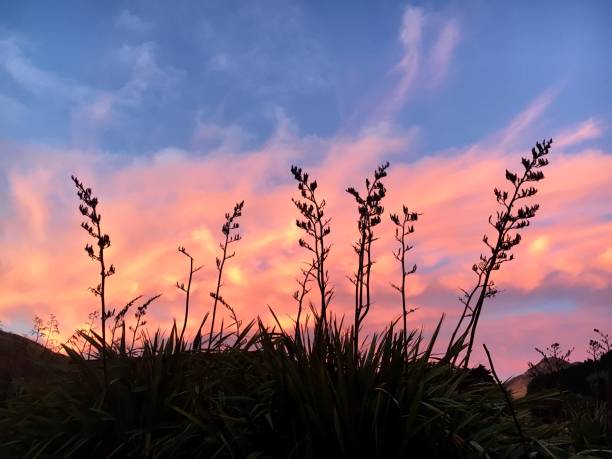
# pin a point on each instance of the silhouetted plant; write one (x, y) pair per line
(554, 358)
(508, 399)
(51, 328)
(316, 226)
(604, 341)
(299, 296)
(370, 212)
(38, 328)
(594, 349)
(403, 228)
(119, 322)
(141, 311)
(93, 316)
(89, 209)
(507, 222)
(77, 340)
(187, 290)
(228, 227)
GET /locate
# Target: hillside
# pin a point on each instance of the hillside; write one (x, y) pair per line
(518, 384)
(24, 361)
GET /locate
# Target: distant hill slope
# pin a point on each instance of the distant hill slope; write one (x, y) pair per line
(518, 385)
(23, 360)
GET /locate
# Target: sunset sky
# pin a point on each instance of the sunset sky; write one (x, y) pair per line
(174, 112)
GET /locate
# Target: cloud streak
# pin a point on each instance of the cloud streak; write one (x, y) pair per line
(587, 130)
(443, 50)
(410, 36)
(14, 63)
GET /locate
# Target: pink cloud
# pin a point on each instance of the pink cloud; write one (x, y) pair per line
(151, 205)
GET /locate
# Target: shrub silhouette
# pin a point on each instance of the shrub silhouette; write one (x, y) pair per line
(553, 359)
(583, 402)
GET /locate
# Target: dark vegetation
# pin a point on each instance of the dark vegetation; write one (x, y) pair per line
(584, 391)
(319, 390)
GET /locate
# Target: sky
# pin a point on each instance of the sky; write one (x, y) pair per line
(173, 113)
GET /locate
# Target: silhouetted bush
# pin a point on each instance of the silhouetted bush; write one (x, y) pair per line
(589, 378)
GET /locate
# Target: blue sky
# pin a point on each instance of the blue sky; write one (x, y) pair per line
(137, 77)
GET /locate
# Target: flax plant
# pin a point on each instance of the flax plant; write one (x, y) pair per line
(186, 290)
(554, 358)
(228, 230)
(38, 328)
(89, 210)
(51, 328)
(370, 211)
(141, 312)
(316, 225)
(77, 341)
(299, 295)
(120, 320)
(404, 227)
(605, 343)
(511, 218)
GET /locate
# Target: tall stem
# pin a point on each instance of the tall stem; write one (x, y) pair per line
(221, 264)
(187, 299)
(102, 292)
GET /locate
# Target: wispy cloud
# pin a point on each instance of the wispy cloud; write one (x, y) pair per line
(410, 35)
(32, 78)
(93, 108)
(527, 118)
(147, 75)
(215, 137)
(587, 130)
(268, 52)
(147, 81)
(443, 50)
(132, 22)
(428, 40)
